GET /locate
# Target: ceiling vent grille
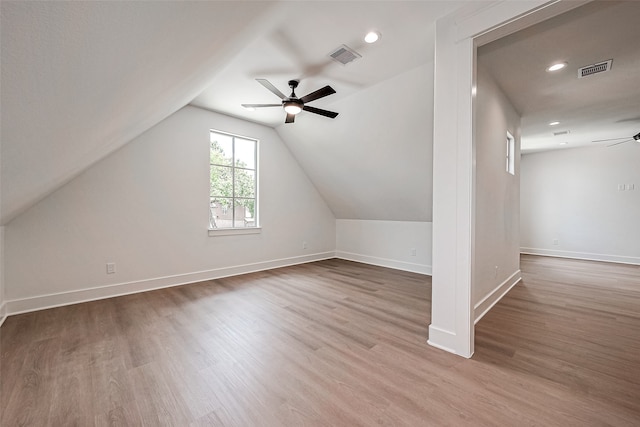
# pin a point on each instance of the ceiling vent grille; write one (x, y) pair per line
(562, 132)
(589, 70)
(344, 55)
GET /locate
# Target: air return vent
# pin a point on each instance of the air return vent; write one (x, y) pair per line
(562, 132)
(600, 67)
(344, 55)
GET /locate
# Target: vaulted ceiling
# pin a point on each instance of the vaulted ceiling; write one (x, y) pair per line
(81, 79)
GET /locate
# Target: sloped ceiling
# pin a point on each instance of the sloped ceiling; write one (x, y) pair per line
(374, 160)
(81, 79)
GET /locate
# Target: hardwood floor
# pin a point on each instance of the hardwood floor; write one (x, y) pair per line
(331, 343)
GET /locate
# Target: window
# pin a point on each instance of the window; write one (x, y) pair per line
(233, 183)
(511, 154)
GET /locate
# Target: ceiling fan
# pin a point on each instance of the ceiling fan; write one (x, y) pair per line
(626, 139)
(292, 104)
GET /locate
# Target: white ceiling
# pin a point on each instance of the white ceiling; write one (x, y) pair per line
(81, 79)
(601, 106)
(296, 45)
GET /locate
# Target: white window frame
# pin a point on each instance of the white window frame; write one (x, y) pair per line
(511, 154)
(225, 231)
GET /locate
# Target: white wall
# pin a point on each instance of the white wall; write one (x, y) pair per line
(386, 243)
(145, 208)
(572, 196)
(496, 262)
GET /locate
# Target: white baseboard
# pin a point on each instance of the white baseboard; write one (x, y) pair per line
(385, 262)
(444, 340)
(494, 296)
(3, 313)
(581, 255)
(42, 302)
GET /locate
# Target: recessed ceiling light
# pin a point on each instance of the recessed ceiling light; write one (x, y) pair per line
(554, 123)
(372, 37)
(557, 66)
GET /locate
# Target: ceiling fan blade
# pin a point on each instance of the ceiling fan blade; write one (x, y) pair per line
(610, 139)
(621, 142)
(267, 84)
(320, 93)
(290, 118)
(320, 111)
(260, 105)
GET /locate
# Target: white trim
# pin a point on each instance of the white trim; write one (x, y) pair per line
(42, 302)
(3, 313)
(496, 295)
(582, 255)
(444, 340)
(385, 262)
(233, 231)
(456, 36)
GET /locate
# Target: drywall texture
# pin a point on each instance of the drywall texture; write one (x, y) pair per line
(404, 245)
(572, 203)
(497, 240)
(375, 160)
(145, 208)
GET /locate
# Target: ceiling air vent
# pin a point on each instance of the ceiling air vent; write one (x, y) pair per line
(600, 67)
(562, 132)
(344, 54)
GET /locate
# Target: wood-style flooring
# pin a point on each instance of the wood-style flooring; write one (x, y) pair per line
(331, 343)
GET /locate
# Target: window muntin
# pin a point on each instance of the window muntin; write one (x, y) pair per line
(233, 181)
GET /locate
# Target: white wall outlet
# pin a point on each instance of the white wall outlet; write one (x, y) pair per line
(413, 251)
(631, 187)
(111, 267)
(556, 242)
(304, 245)
(621, 187)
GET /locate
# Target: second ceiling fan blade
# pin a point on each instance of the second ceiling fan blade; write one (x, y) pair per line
(320, 93)
(260, 105)
(320, 111)
(621, 142)
(610, 139)
(267, 84)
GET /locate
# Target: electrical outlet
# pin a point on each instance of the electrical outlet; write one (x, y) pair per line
(556, 242)
(304, 245)
(111, 267)
(413, 251)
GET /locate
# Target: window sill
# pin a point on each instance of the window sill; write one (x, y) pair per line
(234, 231)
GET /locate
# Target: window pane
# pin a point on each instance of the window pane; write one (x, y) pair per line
(221, 152)
(245, 153)
(245, 183)
(221, 212)
(244, 214)
(221, 181)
